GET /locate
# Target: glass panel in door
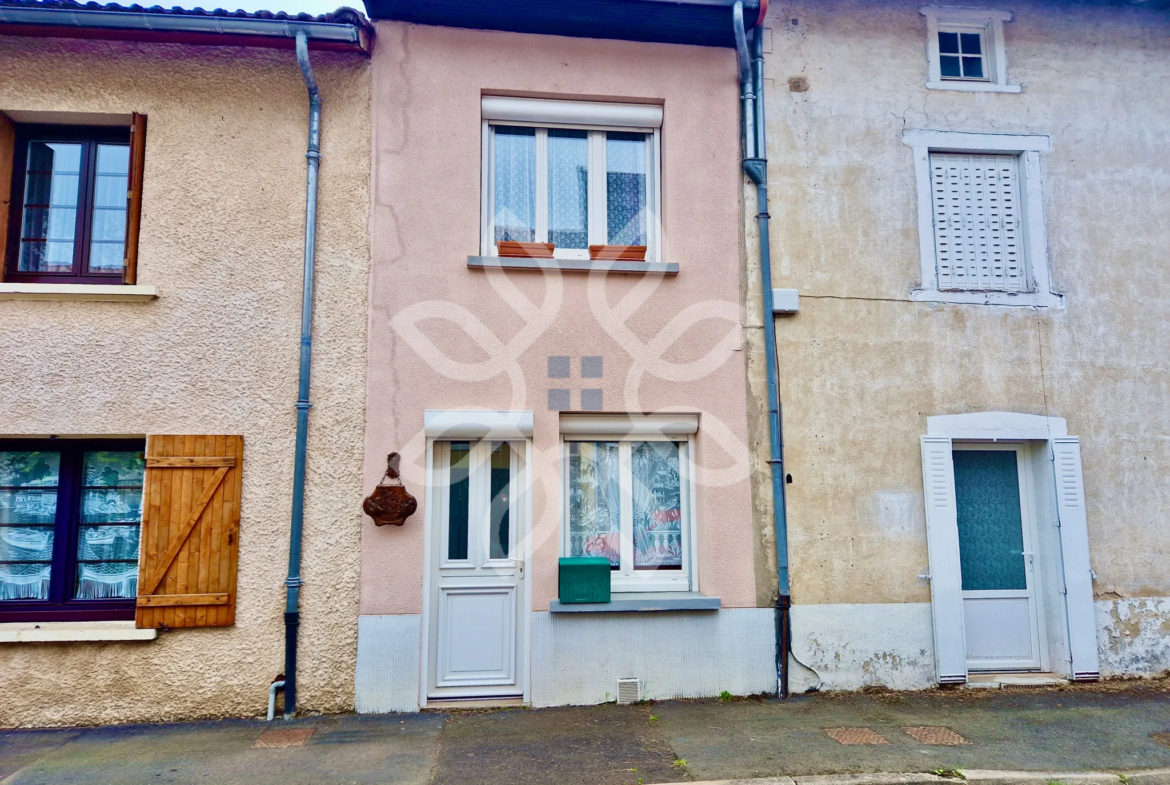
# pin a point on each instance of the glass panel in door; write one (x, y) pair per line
(991, 533)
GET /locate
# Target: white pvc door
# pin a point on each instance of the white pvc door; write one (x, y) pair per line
(477, 571)
(996, 558)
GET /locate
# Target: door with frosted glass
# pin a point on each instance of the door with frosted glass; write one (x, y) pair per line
(477, 571)
(996, 558)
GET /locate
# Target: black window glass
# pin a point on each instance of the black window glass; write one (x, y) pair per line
(948, 43)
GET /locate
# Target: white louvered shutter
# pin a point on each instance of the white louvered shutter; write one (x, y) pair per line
(1074, 548)
(942, 543)
(977, 236)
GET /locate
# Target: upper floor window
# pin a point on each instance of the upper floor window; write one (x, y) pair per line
(577, 180)
(965, 49)
(72, 215)
(981, 218)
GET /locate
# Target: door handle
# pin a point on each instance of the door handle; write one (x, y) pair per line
(520, 567)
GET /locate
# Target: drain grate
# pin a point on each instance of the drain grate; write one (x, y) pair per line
(285, 737)
(1161, 738)
(936, 736)
(855, 735)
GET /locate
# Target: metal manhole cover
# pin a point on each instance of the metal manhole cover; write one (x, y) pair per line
(1161, 738)
(285, 737)
(935, 735)
(855, 735)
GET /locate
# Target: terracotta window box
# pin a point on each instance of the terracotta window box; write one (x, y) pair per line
(511, 249)
(618, 253)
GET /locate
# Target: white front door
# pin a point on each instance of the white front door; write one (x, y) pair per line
(996, 556)
(475, 624)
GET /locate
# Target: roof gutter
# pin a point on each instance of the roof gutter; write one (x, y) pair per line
(182, 28)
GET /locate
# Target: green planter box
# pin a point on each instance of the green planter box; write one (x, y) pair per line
(584, 579)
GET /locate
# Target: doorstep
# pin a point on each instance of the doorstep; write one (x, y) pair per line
(475, 703)
(1008, 680)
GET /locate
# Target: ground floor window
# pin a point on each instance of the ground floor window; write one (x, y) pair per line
(627, 499)
(70, 522)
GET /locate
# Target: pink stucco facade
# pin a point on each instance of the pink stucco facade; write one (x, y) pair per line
(445, 336)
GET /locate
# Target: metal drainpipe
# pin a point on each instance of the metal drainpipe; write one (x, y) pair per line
(292, 616)
(755, 165)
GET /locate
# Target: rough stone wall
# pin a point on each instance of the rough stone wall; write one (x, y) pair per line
(222, 239)
(861, 367)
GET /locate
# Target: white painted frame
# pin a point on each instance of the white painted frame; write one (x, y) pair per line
(627, 579)
(433, 517)
(1032, 568)
(1063, 453)
(595, 118)
(1028, 149)
(969, 20)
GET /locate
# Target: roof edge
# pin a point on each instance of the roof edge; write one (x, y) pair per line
(199, 28)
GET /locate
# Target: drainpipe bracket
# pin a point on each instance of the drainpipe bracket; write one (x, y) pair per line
(756, 169)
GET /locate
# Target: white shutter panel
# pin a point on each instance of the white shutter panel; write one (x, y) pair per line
(976, 202)
(1074, 547)
(942, 542)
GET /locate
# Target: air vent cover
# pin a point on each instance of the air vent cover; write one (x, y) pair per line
(629, 690)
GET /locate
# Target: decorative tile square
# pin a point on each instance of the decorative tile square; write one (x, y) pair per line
(855, 735)
(559, 367)
(591, 401)
(284, 737)
(559, 400)
(933, 735)
(591, 367)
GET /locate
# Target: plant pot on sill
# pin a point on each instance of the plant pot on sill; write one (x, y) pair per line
(513, 249)
(618, 253)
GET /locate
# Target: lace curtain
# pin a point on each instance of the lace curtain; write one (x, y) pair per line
(28, 510)
(568, 188)
(625, 185)
(515, 188)
(657, 506)
(594, 501)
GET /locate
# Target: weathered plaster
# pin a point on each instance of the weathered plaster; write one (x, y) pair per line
(222, 239)
(1134, 636)
(862, 367)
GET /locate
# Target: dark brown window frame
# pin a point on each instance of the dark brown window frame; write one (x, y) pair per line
(66, 527)
(90, 137)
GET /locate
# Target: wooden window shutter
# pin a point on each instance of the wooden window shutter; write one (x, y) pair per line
(7, 158)
(1074, 550)
(977, 234)
(942, 545)
(190, 531)
(134, 196)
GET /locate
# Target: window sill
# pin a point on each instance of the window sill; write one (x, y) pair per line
(77, 292)
(571, 265)
(73, 632)
(1026, 299)
(650, 602)
(974, 87)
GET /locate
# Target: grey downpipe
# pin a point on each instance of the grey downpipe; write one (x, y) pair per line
(292, 616)
(755, 165)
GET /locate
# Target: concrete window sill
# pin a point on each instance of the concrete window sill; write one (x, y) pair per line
(1028, 299)
(650, 602)
(73, 632)
(78, 292)
(974, 87)
(572, 265)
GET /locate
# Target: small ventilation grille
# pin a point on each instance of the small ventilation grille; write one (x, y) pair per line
(629, 690)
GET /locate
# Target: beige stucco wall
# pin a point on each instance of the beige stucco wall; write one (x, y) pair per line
(222, 239)
(443, 336)
(862, 367)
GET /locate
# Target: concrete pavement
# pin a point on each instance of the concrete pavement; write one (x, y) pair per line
(1109, 728)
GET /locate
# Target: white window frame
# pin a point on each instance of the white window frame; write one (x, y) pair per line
(969, 20)
(625, 430)
(594, 117)
(1034, 244)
